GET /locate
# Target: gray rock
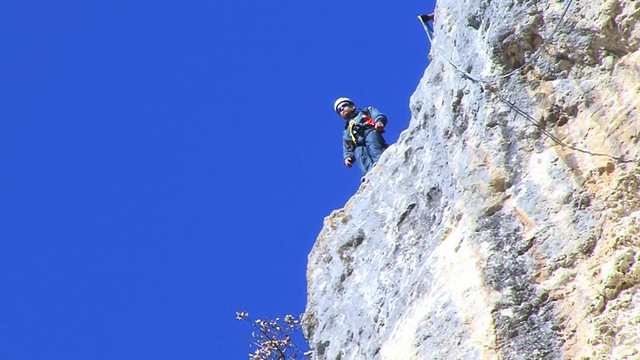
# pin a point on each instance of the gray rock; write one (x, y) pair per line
(505, 222)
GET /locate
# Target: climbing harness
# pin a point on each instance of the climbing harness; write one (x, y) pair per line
(352, 123)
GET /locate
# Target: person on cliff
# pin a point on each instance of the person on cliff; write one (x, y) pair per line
(362, 140)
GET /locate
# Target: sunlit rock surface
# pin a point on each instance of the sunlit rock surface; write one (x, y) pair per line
(505, 223)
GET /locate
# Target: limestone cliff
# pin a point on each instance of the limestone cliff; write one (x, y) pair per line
(505, 222)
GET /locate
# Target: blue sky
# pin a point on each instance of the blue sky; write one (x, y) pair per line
(164, 164)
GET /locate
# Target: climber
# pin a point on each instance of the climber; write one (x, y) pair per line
(426, 21)
(362, 140)
(426, 18)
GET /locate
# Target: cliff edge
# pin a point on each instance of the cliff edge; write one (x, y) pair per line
(505, 222)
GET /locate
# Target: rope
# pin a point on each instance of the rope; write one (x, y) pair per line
(554, 138)
(487, 82)
(430, 31)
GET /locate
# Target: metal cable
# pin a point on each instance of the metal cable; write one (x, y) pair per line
(486, 82)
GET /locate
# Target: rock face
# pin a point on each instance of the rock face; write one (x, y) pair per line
(505, 223)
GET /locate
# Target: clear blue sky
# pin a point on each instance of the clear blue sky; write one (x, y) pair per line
(164, 164)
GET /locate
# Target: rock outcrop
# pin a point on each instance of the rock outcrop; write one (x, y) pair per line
(505, 222)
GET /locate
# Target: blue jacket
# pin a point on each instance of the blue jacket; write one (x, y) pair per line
(358, 127)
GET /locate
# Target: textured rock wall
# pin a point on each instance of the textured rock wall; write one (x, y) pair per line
(505, 223)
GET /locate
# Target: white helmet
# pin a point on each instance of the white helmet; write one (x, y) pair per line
(339, 101)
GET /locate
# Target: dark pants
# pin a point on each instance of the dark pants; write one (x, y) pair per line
(369, 152)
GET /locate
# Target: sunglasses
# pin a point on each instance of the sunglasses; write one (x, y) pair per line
(343, 106)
